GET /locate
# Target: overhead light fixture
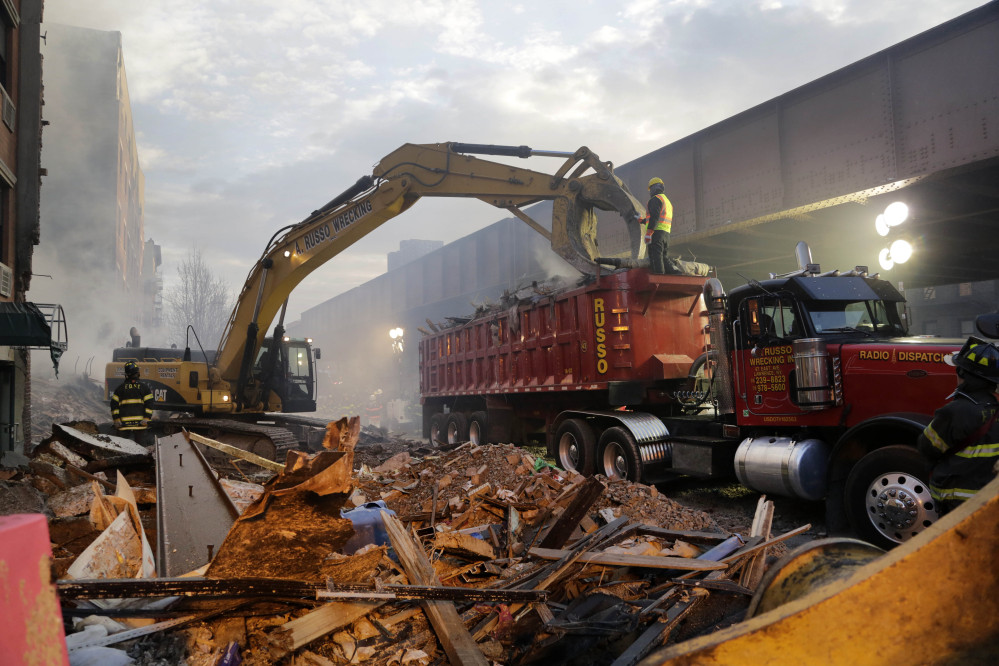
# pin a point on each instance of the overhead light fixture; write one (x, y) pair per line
(884, 258)
(881, 225)
(901, 251)
(896, 213)
(287, 253)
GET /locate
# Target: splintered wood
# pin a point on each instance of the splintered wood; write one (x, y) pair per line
(480, 555)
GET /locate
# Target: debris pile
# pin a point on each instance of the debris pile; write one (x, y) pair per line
(481, 554)
(72, 398)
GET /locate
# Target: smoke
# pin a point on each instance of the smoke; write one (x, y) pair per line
(91, 249)
(552, 265)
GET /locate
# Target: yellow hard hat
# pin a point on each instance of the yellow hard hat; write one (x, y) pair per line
(655, 181)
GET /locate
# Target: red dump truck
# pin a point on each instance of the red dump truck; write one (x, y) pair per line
(804, 385)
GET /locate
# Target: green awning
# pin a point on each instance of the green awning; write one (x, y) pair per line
(24, 325)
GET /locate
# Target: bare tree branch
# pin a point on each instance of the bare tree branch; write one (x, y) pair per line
(202, 300)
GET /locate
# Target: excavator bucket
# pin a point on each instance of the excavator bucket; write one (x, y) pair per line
(574, 226)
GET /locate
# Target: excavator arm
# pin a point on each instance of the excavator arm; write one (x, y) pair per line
(577, 189)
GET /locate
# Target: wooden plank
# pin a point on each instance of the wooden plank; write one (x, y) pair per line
(235, 453)
(588, 493)
(73, 469)
(752, 546)
(105, 639)
(644, 561)
(464, 545)
(454, 637)
(711, 538)
(752, 573)
(326, 619)
(432, 593)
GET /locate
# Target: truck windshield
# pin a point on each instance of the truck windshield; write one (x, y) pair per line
(871, 318)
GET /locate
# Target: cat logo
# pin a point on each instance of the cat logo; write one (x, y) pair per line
(159, 395)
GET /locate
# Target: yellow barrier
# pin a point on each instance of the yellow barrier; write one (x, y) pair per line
(932, 600)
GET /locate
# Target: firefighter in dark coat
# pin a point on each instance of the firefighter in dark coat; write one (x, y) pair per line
(962, 441)
(132, 405)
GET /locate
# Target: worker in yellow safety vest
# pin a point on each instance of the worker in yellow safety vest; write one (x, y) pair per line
(659, 223)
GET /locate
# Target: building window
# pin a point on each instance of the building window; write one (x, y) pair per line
(4, 218)
(4, 51)
(8, 22)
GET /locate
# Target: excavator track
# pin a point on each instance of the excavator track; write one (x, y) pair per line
(268, 441)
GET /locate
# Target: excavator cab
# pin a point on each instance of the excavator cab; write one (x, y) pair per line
(287, 370)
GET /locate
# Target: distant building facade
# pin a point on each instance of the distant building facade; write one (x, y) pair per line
(411, 250)
(93, 242)
(152, 287)
(352, 329)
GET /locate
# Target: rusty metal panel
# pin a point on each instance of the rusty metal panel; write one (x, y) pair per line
(741, 171)
(947, 100)
(838, 139)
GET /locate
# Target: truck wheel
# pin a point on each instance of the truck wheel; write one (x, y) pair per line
(576, 446)
(457, 428)
(887, 497)
(477, 428)
(619, 456)
(438, 429)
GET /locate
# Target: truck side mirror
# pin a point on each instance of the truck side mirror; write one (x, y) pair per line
(319, 353)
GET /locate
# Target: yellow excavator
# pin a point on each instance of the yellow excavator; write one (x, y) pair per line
(251, 374)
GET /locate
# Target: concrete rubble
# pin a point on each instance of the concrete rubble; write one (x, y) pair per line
(478, 554)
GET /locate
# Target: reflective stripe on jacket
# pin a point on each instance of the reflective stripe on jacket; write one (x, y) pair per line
(132, 403)
(660, 216)
(664, 219)
(958, 476)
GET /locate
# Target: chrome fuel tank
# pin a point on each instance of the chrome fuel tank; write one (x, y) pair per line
(783, 466)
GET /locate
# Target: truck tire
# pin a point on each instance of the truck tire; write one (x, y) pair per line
(619, 456)
(477, 428)
(575, 446)
(457, 428)
(887, 497)
(438, 429)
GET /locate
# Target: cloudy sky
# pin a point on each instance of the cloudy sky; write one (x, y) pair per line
(249, 114)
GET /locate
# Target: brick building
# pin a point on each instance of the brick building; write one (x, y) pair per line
(23, 325)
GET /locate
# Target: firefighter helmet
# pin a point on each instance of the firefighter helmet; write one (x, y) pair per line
(980, 358)
(655, 181)
(131, 369)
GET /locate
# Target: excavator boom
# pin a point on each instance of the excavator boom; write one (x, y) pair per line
(577, 189)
